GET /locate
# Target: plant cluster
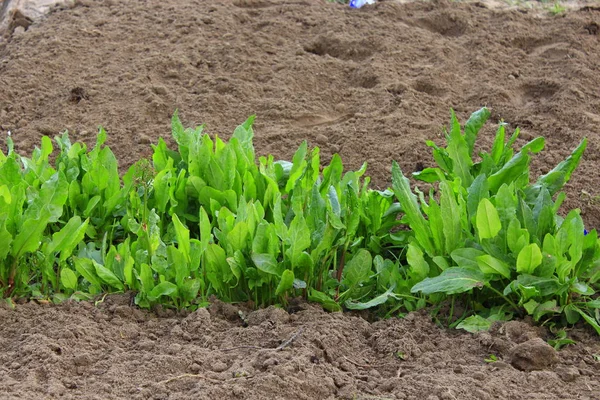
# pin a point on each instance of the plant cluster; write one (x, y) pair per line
(210, 218)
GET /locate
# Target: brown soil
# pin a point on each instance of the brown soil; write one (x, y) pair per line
(372, 84)
(113, 351)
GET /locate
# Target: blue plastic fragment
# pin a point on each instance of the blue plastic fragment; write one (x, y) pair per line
(360, 3)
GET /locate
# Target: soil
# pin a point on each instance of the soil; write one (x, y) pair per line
(371, 84)
(114, 351)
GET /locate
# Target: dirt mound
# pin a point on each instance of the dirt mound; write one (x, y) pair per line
(115, 351)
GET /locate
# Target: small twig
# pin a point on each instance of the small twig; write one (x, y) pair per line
(357, 364)
(189, 376)
(290, 340)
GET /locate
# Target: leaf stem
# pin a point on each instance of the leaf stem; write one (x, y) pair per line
(509, 301)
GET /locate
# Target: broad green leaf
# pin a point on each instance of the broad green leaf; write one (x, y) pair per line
(299, 238)
(459, 153)
(491, 265)
(451, 216)
(163, 289)
(327, 302)
(5, 238)
(473, 125)
(5, 194)
(238, 236)
(205, 229)
(358, 269)
(590, 320)
(451, 281)
(376, 301)
(146, 278)
(107, 276)
(298, 167)
(417, 262)
(513, 169)
(183, 237)
(516, 238)
(560, 175)
(528, 259)
(29, 237)
(411, 208)
(65, 240)
(68, 278)
(428, 175)
(467, 257)
(476, 192)
(474, 324)
(85, 267)
(266, 263)
(286, 283)
(190, 288)
(582, 288)
(217, 269)
(488, 221)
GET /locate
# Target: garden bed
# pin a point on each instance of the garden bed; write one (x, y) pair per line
(370, 84)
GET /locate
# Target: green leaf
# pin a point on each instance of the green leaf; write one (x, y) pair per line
(217, 269)
(358, 269)
(474, 324)
(376, 301)
(491, 265)
(29, 237)
(488, 221)
(459, 152)
(473, 125)
(163, 289)
(529, 258)
(68, 278)
(327, 302)
(476, 192)
(590, 320)
(108, 276)
(560, 175)
(451, 217)
(417, 262)
(65, 240)
(298, 239)
(5, 194)
(467, 257)
(286, 283)
(266, 263)
(411, 208)
(85, 267)
(451, 281)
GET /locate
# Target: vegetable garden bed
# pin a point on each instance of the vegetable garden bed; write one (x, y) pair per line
(208, 217)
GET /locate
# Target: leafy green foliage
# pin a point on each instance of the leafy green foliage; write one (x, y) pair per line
(500, 238)
(212, 218)
(208, 219)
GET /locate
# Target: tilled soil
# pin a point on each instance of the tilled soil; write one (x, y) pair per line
(113, 351)
(370, 84)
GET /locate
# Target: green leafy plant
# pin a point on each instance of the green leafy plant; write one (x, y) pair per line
(561, 340)
(495, 235)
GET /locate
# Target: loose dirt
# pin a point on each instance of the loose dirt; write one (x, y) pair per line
(371, 84)
(113, 351)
